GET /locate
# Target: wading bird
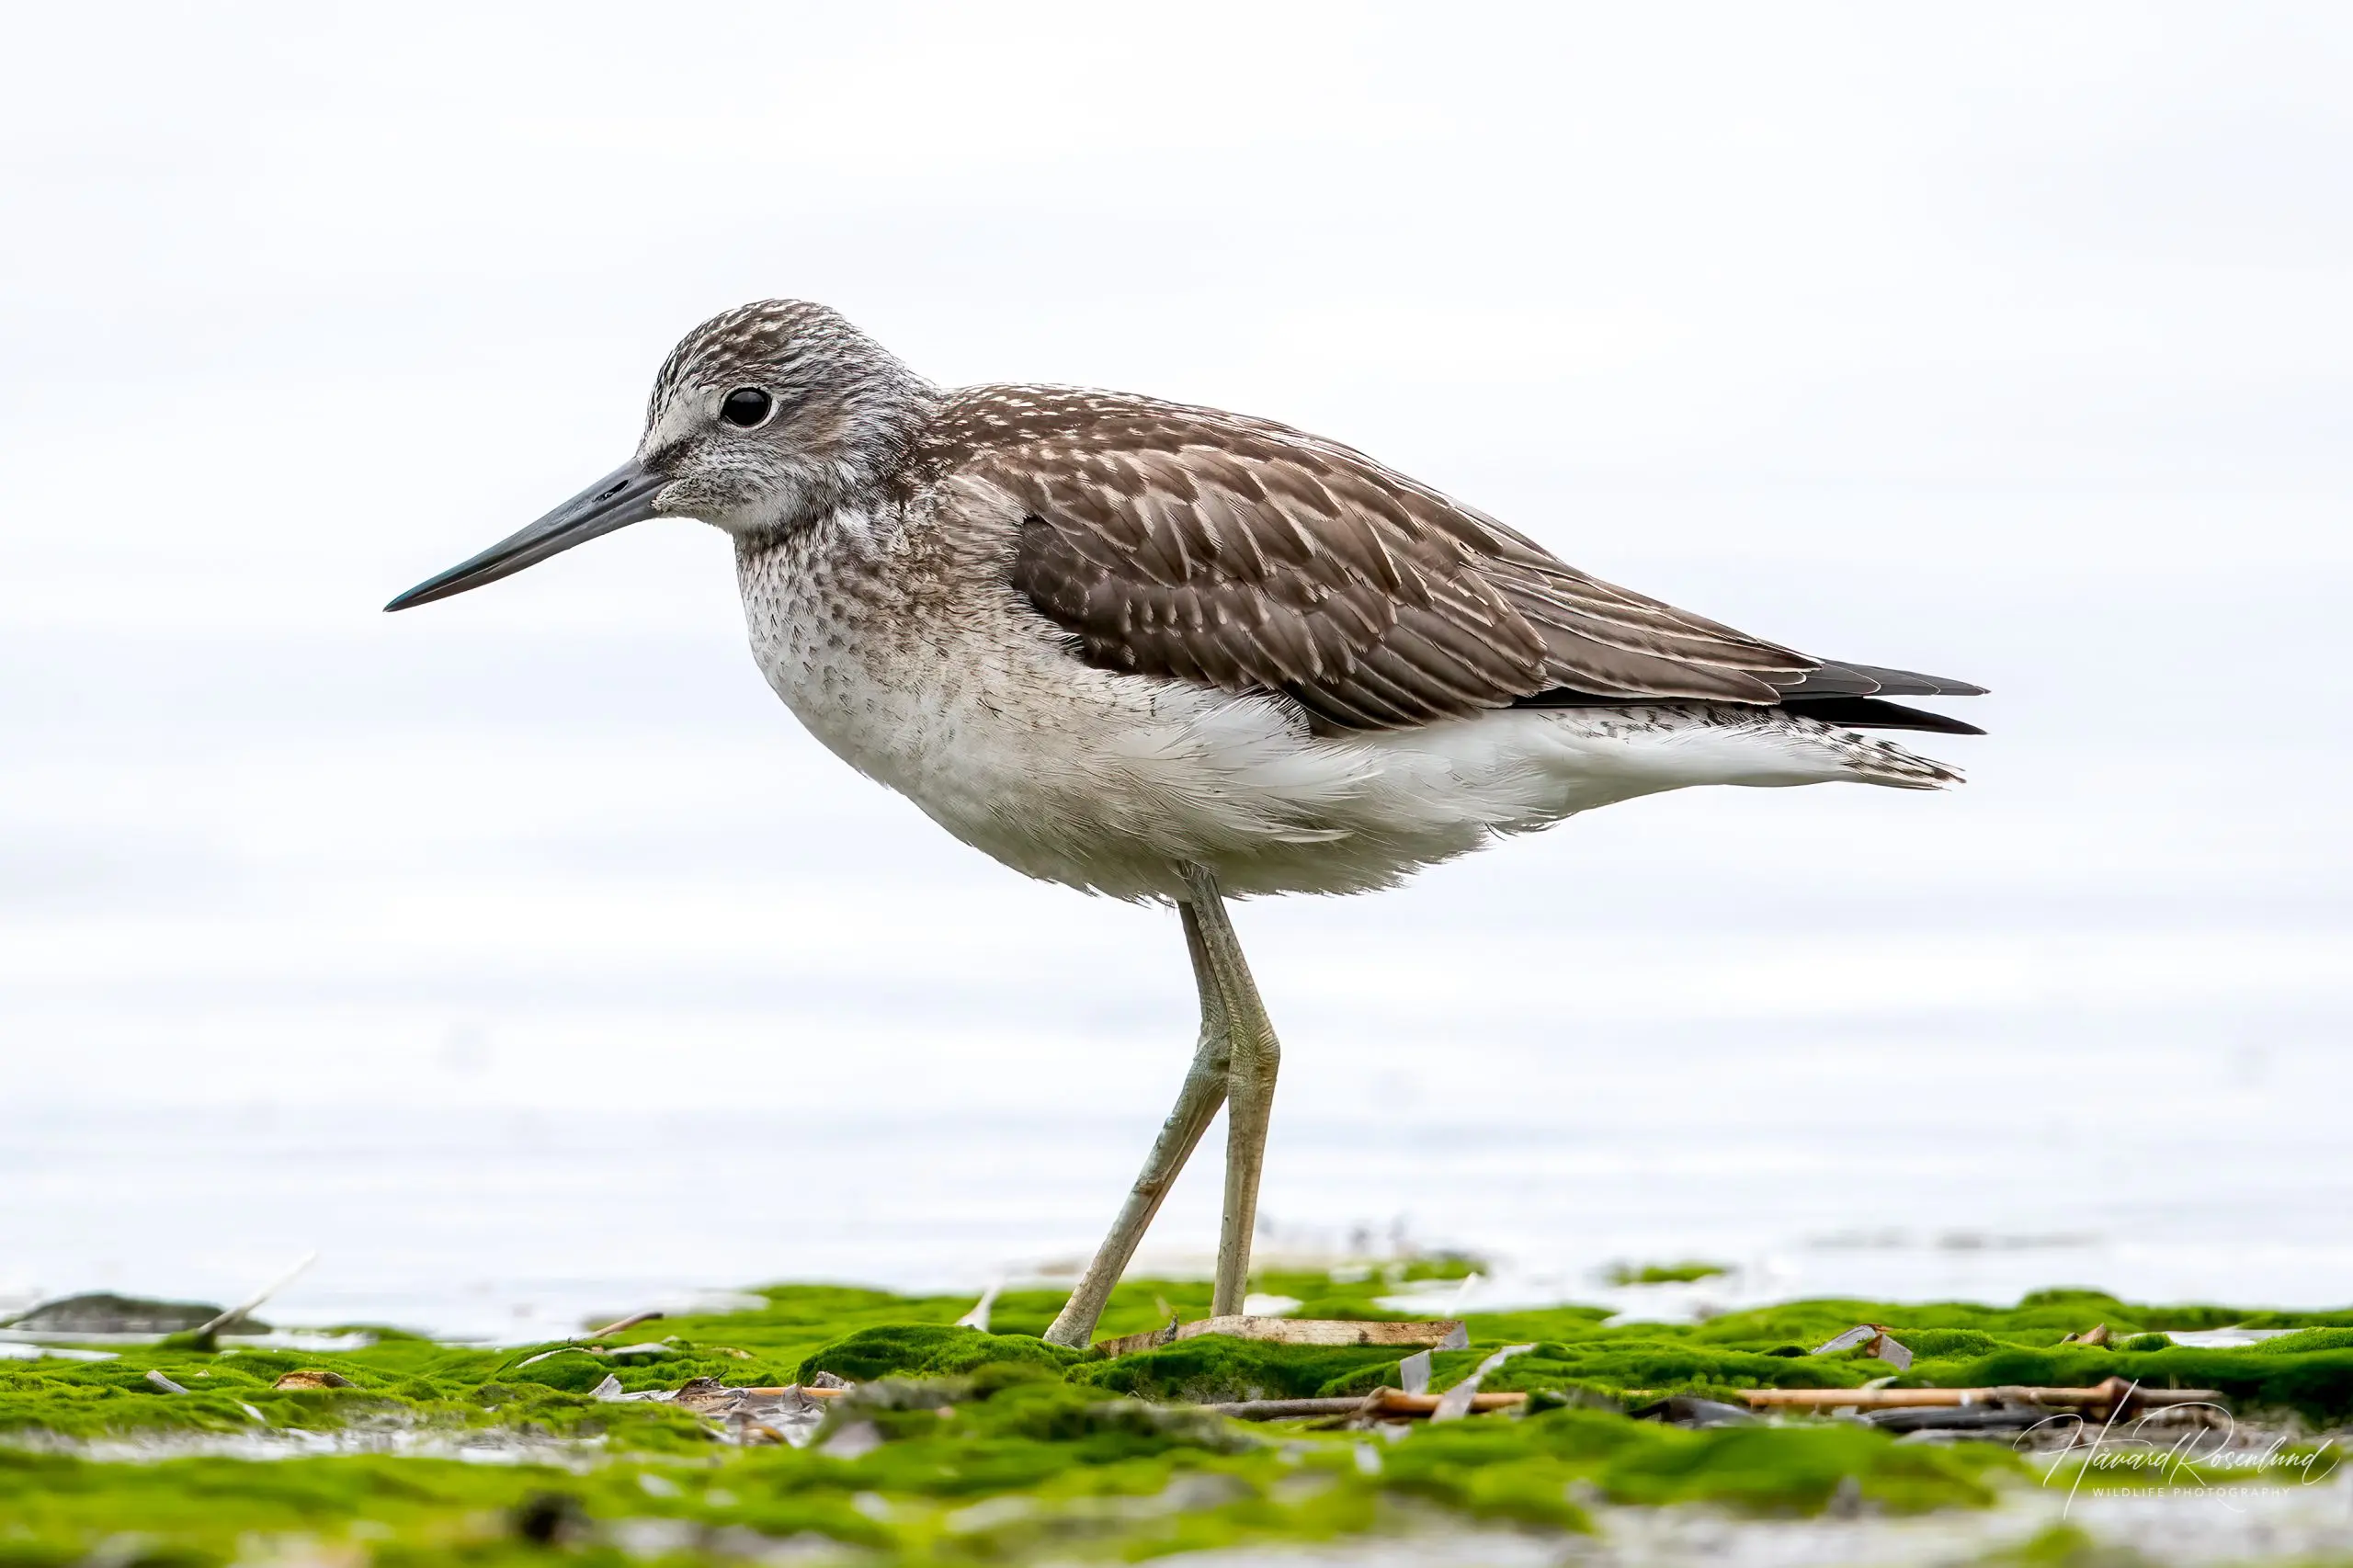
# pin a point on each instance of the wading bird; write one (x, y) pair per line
(1171, 653)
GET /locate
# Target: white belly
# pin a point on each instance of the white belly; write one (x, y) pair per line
(1112, 782)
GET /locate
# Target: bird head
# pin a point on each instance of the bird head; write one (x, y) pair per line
(762, 420)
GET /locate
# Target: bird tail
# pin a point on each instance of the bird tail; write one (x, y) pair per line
(1870, 760)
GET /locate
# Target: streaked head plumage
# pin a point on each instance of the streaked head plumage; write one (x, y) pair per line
(771, 412)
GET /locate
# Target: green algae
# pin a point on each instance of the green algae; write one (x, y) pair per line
(1623, 1274)
(2314, 1385)
(864, 1335)
(927, 1349)
(405, 1384)
(1011, 1472)
(2299, 1343)
(994, 1447)
(1216, 1367)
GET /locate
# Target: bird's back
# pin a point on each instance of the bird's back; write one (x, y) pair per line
(1214, 547)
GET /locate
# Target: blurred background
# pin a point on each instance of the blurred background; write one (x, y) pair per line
(522, 956)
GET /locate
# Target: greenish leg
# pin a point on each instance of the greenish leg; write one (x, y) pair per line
(1250, 1089)
(1197, 1105)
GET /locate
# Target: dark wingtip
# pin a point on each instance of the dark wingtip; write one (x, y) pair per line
(1878, 713)
(1885, 682)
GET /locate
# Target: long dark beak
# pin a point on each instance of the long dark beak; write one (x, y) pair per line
(622, 498)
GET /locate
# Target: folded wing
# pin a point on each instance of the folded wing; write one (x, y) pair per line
(1203, 546)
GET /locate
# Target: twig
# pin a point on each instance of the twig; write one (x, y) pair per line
(534, 1361)
(1440, 1333)
(1456, 1403)
(2115, 1392)
(1381, 1402)
(207, 1333)
(979, 1316)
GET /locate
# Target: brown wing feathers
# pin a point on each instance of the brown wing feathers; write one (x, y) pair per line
(1262, 578)
(1205, 546)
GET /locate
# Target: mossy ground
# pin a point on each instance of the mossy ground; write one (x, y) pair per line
(998, 1446)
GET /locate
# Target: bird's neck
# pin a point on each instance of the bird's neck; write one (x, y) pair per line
(881, 422)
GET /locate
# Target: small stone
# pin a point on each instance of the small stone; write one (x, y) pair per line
(105, 1313)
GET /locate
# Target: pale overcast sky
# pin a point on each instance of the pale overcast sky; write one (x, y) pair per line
(2014, 343)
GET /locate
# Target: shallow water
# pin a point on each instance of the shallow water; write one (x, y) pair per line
(2151, 1173)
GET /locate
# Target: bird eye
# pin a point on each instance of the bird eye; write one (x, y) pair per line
(747, 407)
